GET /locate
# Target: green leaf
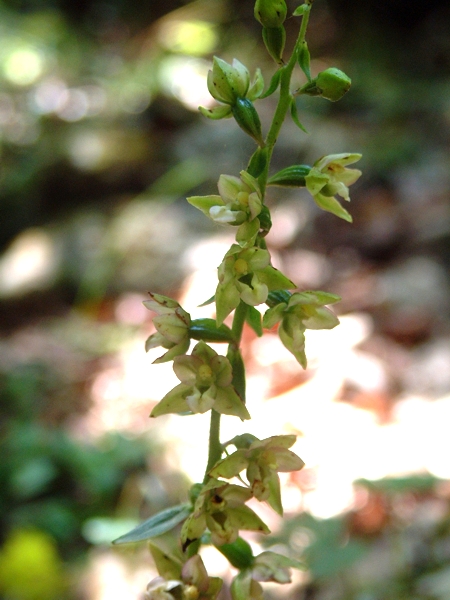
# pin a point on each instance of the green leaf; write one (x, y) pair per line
(274, 83)
(253, 318)
(304, 60)
(277, 296)
(157, 525)
(239, 553)
(207, 330)
(258, 162)
(294, 115)
(293, 176)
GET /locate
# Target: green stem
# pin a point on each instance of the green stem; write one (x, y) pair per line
(214, 447)
(238, 322)
(284, 100)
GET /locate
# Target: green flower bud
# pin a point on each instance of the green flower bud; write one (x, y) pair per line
(270, 13)
(274, 39)
(247, 118)
(331, 84)
(293, 176)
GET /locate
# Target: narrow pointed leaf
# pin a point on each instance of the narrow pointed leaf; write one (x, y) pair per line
(207, 330)
(274, 83)
(156, 525)
(294, 115)
(304, 60)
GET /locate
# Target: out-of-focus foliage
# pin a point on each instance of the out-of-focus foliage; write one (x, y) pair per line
(30, 568)
(394, 545)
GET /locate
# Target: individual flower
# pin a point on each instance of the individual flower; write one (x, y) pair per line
(267, 566)
(220, 507)
(329, 176)
(226, 83)
(303, 310)
(247, 275)
(263, 460)
(230, 85)
(172, 326)
(205, 384)
(239, 204)
(187, 582)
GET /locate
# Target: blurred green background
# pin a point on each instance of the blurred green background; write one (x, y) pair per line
(101, 141)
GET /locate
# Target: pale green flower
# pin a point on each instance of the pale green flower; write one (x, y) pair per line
(172, 325)
(247, 275)
(267, 566)
(262, 459)
(300, 311)
(329, 176)
(205, 384)
(220, 508)
(239, 204)
(270, 566)
(181, 582)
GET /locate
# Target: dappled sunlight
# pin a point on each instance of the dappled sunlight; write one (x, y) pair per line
(339, 442)
(30, 263)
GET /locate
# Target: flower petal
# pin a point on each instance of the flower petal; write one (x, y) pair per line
(227, 402)
(173, 402)
(231, 465)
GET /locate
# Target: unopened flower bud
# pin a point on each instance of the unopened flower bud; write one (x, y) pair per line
(247, 118)
(331, 84)
(270, 13)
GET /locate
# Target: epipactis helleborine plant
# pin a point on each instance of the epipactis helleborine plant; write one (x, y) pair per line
(216, 511)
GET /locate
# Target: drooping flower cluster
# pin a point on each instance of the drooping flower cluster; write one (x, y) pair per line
(218, 509)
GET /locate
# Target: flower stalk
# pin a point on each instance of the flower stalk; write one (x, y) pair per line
(251, 292)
